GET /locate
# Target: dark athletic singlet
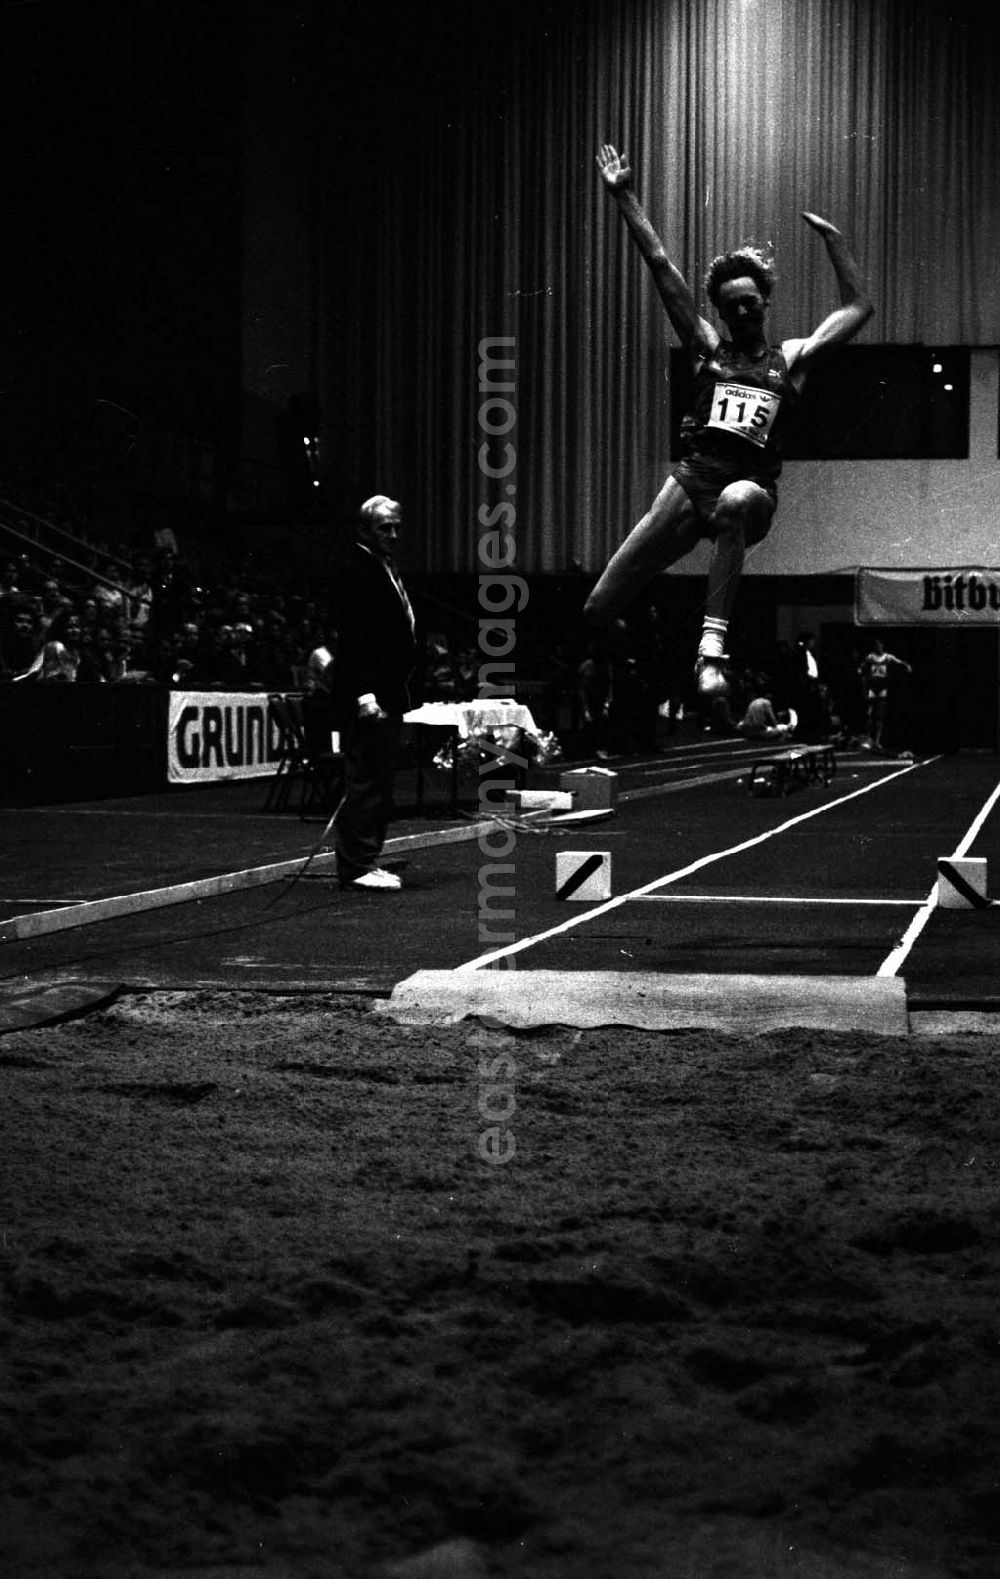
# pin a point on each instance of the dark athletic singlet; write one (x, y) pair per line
(876, 667)
(741, 409)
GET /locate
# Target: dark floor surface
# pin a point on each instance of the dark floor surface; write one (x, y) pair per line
(831, 893)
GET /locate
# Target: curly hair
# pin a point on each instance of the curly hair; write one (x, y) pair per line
(755, 261)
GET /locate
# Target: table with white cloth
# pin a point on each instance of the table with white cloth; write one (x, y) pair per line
(485, 715)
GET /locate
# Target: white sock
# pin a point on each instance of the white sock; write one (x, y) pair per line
(713, 638)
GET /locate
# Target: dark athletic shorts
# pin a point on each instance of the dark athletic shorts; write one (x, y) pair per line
(703, 483)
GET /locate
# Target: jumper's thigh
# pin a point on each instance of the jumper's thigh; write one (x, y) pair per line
(669, 530)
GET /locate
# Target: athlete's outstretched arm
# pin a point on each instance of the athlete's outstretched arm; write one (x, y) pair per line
(693, 331)
(856, 306)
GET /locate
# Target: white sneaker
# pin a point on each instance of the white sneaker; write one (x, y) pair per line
(376, 878)
(710, 676)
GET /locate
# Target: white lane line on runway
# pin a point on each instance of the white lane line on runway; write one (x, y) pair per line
(712, 745)
(684, 871)
(674, 786)
(977, 823)
(50, 899)
(686, 757)
(890, 966)
(762, 899)
(39, 923)
(181, 815)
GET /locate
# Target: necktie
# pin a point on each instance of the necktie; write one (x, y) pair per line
(397, 583)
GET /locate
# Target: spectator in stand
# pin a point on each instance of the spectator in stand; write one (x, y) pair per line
(207, 666)
(103, 657)
(187, 642)
(20, 643)
(46, 620)
(303, 639)
(165, 664)
(240, 671)
(117, 659)
(16, 579)
(169, 603)
(89, 613)
(272, 654)
(238, 608)
(140, 595)
(93, 651)
(61, 653)
(52, 600)
(109, 595)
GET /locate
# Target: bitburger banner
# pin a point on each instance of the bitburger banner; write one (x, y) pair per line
(927, 597)
(220, 735)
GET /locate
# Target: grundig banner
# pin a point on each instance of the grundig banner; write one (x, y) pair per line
(927, 597)
(218, 735)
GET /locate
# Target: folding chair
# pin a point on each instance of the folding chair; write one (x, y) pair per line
(319, 774)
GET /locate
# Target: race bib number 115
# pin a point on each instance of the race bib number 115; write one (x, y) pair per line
(748, 413)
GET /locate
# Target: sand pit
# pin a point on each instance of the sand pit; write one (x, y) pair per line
(729, 1307)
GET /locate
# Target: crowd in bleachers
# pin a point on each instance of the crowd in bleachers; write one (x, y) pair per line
(90, 610)
(107, 614)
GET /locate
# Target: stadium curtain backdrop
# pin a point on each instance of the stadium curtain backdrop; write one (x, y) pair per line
(484, 216)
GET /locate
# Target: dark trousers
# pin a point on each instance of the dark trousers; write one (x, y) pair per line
(371, 746)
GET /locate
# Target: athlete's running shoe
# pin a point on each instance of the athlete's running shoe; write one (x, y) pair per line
(710, 676)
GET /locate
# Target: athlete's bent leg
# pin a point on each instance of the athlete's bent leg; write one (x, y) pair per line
(741, 516)
(667, 532)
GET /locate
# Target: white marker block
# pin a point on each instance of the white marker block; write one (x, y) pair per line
(962, 883)
(541, 800)
(593, 789)
(583, 874)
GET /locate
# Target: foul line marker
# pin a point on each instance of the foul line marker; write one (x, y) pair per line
(892, 962)
(684, 871)
(972, 897)
(763, 899)
(587, 868)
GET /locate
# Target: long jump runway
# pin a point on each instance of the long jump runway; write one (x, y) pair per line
(826, 878)
(709, 886)
(718, 897)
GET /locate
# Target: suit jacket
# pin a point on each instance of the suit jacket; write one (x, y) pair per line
(376, 647)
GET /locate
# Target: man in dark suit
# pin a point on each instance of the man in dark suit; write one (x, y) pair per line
(376, 654)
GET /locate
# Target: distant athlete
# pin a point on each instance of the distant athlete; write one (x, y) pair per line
(874, 671)
(745, 392)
